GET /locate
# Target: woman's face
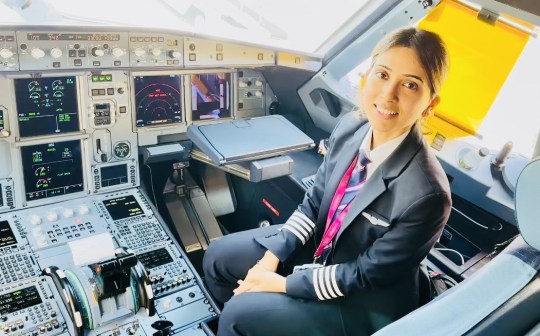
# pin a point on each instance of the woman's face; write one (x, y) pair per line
(396, 93)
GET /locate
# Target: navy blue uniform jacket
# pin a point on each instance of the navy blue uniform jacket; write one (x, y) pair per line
(392, 223)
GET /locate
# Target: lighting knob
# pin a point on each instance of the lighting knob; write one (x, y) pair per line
(97, 52)
(6, 53)
(37, 53)
(175, 54)
(242, 84)
(84, 210)
(52, 216)
(258, 93)
(55, 52)
(139, 52)
(258, 83)
(156, 52)
(68, 213)
(35, 220)
(117, 52)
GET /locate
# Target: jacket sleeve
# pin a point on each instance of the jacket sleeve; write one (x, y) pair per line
(301, 226)
(400, 249)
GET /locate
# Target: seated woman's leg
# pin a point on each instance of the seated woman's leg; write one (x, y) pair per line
(271, 314)
(229, 258)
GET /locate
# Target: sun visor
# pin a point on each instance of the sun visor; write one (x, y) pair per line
(482, 54)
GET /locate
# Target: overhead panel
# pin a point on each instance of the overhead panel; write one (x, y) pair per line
(482, 54)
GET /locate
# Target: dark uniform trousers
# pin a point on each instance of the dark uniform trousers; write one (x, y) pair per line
(260, 313)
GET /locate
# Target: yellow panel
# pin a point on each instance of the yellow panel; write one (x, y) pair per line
(481, 57)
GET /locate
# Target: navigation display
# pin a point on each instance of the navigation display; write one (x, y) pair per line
(7, 237)
(210, 96)
(46, 106)
(18, 300)
(52, 169)
(123, 207)
(158, 100)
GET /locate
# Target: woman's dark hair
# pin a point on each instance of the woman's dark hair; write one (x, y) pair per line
(429, 47)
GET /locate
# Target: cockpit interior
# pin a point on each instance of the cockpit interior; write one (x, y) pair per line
(133, 134)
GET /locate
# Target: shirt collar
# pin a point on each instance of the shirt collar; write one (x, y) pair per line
(382, 152)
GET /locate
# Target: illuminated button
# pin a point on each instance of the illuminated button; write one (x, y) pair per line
(35, 220)
(167, 303)
(52, 216)
(83, 209)
(258, 83)
(156, 52)
(68, 213)
(258, 94)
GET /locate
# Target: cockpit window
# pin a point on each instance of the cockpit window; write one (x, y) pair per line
(301, 25)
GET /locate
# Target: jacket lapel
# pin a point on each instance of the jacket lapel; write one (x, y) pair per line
(391, 168)
(340, 164)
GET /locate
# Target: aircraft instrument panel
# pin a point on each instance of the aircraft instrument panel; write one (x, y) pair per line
(82, 250)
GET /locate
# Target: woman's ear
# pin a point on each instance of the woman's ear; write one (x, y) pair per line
(434, 102)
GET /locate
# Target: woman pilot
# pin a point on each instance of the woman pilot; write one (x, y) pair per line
(378, 205)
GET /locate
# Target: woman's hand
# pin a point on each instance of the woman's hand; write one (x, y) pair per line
(263, 277)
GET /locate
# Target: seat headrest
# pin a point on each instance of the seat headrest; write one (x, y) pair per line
(528, 203)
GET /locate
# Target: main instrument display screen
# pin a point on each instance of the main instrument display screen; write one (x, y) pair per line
(158, 100)
(210, 96)
(47, 106)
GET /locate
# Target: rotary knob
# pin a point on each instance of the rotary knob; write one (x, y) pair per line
(55, 52)
(139, 52)
(175, 54)
(117, 52)
(97, 52)
(6, 53)
(37, 53)
(68, 213)
(84, 210)
(35, 220)
(52, 216)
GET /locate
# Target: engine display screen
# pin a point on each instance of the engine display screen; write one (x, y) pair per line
(52, 169)
(158, 100)
(19, 299)
(155, 258)
(123, 207)
(210, 96)
(47, 106)
(7, 237)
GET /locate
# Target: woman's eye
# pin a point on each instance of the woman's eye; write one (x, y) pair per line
(411, 85)
(381, 75)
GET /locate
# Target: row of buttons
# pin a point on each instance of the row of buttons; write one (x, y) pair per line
(146, 39)
(101, 92)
